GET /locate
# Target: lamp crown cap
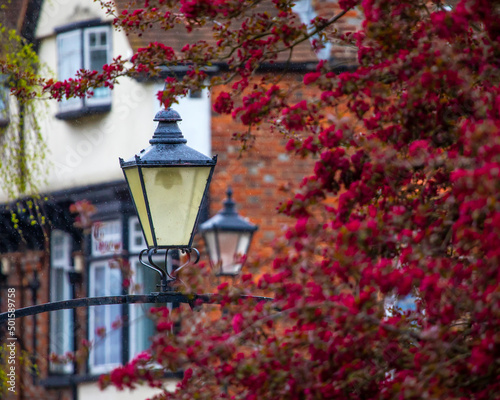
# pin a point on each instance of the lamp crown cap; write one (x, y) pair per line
(167, 115)
(167, 131)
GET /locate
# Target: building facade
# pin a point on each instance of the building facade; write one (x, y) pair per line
(72, 256)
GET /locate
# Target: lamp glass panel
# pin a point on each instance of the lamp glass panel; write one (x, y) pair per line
(243, 244)
(134, 183)
(233, 248)
(228, 244)
(174, 197)
(211, 243)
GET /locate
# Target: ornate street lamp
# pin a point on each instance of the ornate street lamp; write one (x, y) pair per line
(227, 238)
(168, 182)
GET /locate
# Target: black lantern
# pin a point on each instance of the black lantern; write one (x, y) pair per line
(168, 182)
(227, 237)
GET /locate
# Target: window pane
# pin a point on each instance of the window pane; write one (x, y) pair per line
(146, 278)
(142, 327)
(106, 238)
(69, 57)
(61, 321)
(137, 242)
(115, 282)
(99, 349)
(59, 284)
(57, 239)
(61, 338)
(97, 59)
(87, 48)
(69, 54)
(60, 249)
(195, 94)
(99, 282)
(61, 335)
(101, 93)
(97, 53)
(114, 336)
(105, 321)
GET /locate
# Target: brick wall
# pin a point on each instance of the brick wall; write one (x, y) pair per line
(20, 277)
(259, 176)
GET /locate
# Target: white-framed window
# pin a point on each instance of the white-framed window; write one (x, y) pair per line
(145, 281)
(106, 238)
(142, 327)
(105, 279)
(97, 52)
(105, 322)
(61, 321)
(89, 48)
(136, 237)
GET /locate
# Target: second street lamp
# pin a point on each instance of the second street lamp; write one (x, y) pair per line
(227, 238)
(168, 182)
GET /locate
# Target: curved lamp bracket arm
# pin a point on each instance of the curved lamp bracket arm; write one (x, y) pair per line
(166, 278)
(152, 265)
(189, 261)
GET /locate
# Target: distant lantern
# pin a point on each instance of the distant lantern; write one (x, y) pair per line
(168, 182)
(227, 238)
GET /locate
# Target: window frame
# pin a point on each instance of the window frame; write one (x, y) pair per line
(111, 231)
(114, 231)
(138, 315)
(124, 230)
(137, 312)
(57, 265)
(78, 107)
(109, 364)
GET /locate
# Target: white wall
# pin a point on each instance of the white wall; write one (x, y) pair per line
(196, 120)
(86, 151)
(56, 13)
(92, 391)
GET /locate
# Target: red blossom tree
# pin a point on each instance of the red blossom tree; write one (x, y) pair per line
(403, 203)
